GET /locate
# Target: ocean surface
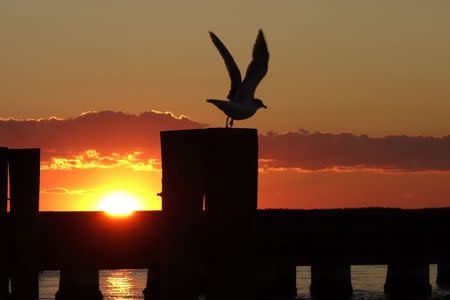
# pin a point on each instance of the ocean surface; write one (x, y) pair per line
(367, 283)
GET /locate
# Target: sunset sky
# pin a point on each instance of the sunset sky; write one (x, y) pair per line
(358, 95)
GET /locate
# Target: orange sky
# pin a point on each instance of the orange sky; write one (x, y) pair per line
(85, 158)
(371, 67)
(378, 68)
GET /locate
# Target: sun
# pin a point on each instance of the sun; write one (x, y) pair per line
(119, 204)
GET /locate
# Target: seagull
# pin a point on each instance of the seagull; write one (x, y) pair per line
(242, 103)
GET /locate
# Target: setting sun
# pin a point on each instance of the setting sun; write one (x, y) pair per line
(119, 204)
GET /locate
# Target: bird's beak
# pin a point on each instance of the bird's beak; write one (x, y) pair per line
(264, 106)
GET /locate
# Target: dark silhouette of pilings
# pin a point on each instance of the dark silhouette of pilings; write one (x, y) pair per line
(3, 180)
(4, 277)
(276, 280)
(331, 280)
(24, 170)
(183, 174)
(231, 204)
(75, 284)
(443, 275)
(221, 167)
(408, 278)
(153, 286)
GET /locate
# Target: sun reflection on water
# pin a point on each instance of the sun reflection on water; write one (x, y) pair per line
(119, 284)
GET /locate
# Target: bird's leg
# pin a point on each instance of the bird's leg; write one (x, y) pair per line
(231, 122)
(226, 122)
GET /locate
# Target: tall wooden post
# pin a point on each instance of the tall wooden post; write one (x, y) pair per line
(153, 286)
(331, 279)
(77, 284)
(408, 278)
(24, 166)
(183, 158)
(276, 279)
(3, 180)
(443, 275)
(231, 204)
(4, 278)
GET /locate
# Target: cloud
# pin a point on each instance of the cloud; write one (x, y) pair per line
(63, 191)
(91, 159)
(305, 151)
(110, 139)
(105, 131)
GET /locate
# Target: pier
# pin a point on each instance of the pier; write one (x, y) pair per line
(210, 238)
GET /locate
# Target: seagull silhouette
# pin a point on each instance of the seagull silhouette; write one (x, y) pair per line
(242, 103)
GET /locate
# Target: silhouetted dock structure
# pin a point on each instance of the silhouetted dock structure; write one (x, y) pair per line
(210, 238)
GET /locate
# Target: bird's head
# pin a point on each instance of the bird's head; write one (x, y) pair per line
(259, 103)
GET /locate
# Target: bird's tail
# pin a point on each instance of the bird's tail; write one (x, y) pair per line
(221, 104)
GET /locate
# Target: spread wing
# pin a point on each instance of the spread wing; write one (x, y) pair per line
(233, 70)
(256, 70)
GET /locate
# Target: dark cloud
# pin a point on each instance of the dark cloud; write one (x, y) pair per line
(104, 131)
(318, 151)
(114, 138)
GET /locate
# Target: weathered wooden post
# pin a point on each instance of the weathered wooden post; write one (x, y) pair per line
(331, 279)
(153, 286)
(183, 161)
(4, 278)
(443, 275)
(408, 279)
(276, 279)
(3, 180)
(77, 284)
(231, 204)
(24, 170)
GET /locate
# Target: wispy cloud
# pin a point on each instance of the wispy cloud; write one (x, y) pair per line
(91, 159)
(62, 190)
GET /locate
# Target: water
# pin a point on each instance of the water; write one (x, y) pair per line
(367, 283)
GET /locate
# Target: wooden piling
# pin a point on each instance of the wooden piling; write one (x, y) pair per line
(24, 171)
(443, 275)
(331, 280)
(408, 279)
(77, 284)
(4, 276)
(3, 180)
(183, 162)
(276, 280)
(231, 204)
(153, 286)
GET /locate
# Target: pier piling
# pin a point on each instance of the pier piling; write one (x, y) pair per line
(443, 275)
(75, 284)
(24, 170)
(408, 278)
(276, 280)
(331, 279)
(4, 276)
(219, 166)
(3, 180)
(231, 204)
(183, 165)
(153, 286)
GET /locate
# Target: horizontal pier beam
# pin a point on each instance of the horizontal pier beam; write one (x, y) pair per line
(354, 237)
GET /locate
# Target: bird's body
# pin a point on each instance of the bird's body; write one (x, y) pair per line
(241, 103)
(235, 110)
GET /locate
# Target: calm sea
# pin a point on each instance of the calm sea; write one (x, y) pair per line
(128, 284)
